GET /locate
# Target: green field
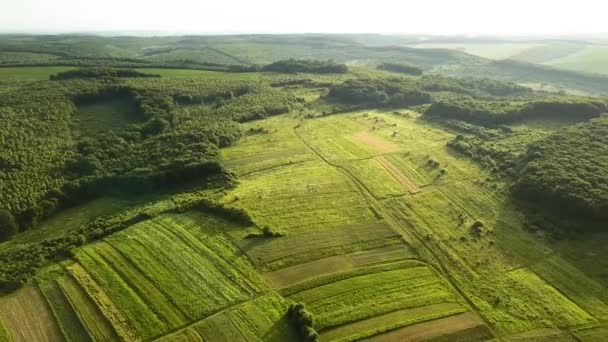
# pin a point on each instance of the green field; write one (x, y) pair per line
(95, 118)
(266, 206)
(591, 59)
(30, 73)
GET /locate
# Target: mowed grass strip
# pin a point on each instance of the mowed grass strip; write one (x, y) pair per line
(545, 302)
(199, 274)
(290, 275)
(377, 143)
(261, 319)
(398, 175)
(157, 301)
(215, 248)
(103, 301)
(25, 317)
(271, 254)
(66, 318)
(593, 334)
(98, 327)
(4, 334)
(132, 307)
(411, 169)
(438, 330)
(575, 284)
(293, 274)
(373, 294)
(211, 290)
(390, 321)
(382, 254)
(377, 178)
(302, 197)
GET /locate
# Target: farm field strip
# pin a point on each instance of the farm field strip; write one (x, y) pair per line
(399, 176)
(290, 249)
(574, 284)
(377, 143)
(136, 311)
(26, 317)
(351, 299)
(304, 197)
(67, 320)
(592, 334)
(103, 301)
(407, 167)
(158, 302)
(377, 178)
(288, 276)
(260, 319)
(165, 254)
(390, 321)
(97, 326)
(439, 328)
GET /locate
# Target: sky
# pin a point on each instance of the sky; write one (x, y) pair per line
(477, 17)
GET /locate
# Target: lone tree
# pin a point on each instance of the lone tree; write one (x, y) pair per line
(8, 225)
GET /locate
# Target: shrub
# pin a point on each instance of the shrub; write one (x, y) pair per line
(303, 321)
(8, 225)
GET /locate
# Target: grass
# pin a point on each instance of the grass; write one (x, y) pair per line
(30, 73)
(594, 334)
(301, 272)
(137, 313)
(301, 197)
(272, 254)
(198, 275)
(107, 115)
(261, 319)
(26, 317)
(390, 321)
(575, 284)
(203, 74)
(371, 295)
(4, 334)
(68, 220)
(462, 327)
(97, 326)
(590, 59)
(486, 50)
(65, 316)
(158, 302)
(277, 145)
(377, 178)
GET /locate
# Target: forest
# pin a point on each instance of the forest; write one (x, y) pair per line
(566, 172)
(297, 188)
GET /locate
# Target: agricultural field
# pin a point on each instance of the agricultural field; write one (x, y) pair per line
(591, 59)
(30, 73)
(323, 202)
(487, 50)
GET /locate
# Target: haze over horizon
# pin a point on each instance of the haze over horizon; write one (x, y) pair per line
(469, 17)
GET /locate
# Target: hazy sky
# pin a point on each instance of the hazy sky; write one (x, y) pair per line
(276, 16)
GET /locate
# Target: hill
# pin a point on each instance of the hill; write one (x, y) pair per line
(254, 205)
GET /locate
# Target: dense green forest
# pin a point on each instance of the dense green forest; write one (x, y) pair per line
(503, 112)
(566, 172)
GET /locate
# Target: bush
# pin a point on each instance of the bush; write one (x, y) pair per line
(98, 72)
(303, 321)
(400, 68)
(306, 65)
(8, 225)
